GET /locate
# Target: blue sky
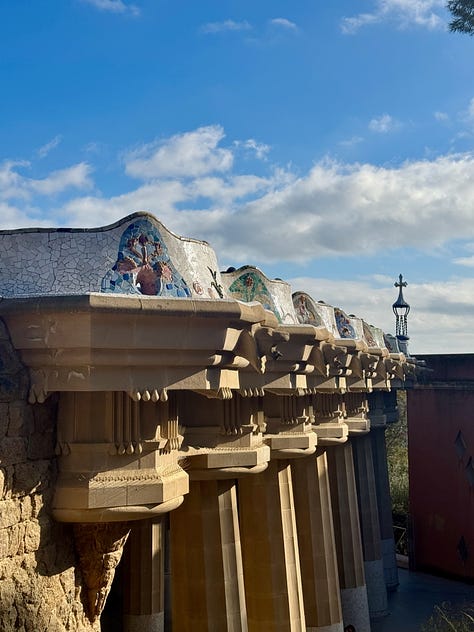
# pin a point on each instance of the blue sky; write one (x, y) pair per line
(329, 143)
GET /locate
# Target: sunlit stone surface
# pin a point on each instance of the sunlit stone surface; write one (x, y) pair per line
(221, 399)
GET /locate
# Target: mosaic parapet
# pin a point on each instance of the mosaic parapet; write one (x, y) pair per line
(341, 350)
(319, 313)
(335, 320)
(249, 284)
(381, 355)
(369, 363)
(290, 343)
(138, 259)
(137, 255)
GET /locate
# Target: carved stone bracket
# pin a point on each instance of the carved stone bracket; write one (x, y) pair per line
(328, 418)
(222, 437)
(116, 455)
(289, 431)
(356, 413)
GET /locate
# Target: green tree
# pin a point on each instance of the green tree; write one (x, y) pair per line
(463, 14)
(397, 458)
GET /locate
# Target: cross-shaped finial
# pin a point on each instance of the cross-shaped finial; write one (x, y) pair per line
(401, 283)
(401, 310)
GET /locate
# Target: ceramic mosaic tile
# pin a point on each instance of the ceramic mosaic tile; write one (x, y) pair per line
(250, 284)
(326, 314)
(136, 255)
(368, 335)
(377, 335)
(143, 265)
(344, 325)
(357, 326)
(306, 310)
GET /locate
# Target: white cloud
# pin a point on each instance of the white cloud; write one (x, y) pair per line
(93, 148)
(403, 13)
(11, 181)
(23, 217)
(339, 209)
(44, 150)
(470, 111)
(191, 183)
(226, 25)
(336, 209)
(383, 124)
(14, 185)
(353, 24)
(76, 177)
(209, 202)
(465, 261)
(439, 312)
(160, 198)
(259, 149)
(284, 23)
(441, 116)
(114, 6)
(220, 191)
(184, 155)
(351, 142)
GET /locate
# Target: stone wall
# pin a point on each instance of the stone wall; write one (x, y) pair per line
(40, 588)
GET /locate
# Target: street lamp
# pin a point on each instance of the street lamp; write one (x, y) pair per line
(401, 310)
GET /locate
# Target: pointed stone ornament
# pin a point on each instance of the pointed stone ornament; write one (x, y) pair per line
(99, 548)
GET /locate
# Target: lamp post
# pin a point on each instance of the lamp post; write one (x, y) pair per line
(401, 310)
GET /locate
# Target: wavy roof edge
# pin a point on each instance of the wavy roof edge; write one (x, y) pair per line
(139, 255)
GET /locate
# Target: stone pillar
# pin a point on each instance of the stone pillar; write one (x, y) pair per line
(270, 551)
(355, 608)
(370, 528)
(206, 563)
(382, 486)
(317, 546)
(144, 577)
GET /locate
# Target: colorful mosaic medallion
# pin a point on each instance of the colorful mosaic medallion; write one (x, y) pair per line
(344, 327)
(369, 338)
(250, 287)
(143, 265)
(306, 310)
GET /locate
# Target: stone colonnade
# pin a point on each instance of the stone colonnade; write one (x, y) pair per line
(253, 437)
(296, 546)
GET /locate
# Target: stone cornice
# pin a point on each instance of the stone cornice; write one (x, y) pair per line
(103, 342)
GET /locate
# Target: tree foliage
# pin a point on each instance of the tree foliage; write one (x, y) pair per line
(397, 458)
(463, 16)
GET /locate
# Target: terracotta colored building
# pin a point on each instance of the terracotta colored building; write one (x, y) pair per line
(441, 457)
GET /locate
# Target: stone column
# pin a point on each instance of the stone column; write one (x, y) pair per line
(144, 577)
(355, 609)
(370, 528)
(317, 546)
(270, 551)
(206, 564)
(382, 485)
